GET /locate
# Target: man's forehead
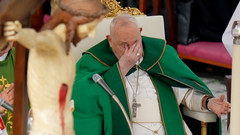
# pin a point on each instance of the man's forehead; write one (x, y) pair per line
(129, 42)
(125, 23)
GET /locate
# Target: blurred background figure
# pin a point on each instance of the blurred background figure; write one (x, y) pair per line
(7, 59)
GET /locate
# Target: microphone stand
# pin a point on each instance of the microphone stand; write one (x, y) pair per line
(98, 79)
(124, 112)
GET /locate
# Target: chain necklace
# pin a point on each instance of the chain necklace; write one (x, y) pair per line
(135, 105)
(154, 131)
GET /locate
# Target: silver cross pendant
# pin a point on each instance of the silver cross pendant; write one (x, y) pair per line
(135, 105)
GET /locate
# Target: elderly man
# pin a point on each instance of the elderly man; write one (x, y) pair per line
(148, 78)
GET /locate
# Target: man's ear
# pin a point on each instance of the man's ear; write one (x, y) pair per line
(140, 29)
(109, 40)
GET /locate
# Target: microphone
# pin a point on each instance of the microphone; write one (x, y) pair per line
(98, 79)
(4, 104)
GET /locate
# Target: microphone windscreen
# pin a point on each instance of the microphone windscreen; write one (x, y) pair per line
(96, 78)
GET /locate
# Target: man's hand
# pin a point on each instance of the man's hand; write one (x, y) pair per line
(11, 30)
(219, 106)
(7, 95)
(130, 57)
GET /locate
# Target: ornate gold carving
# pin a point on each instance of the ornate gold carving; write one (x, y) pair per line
(54, 5)
(115, 9)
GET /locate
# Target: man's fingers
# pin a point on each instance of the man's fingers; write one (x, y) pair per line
(229, 110)
(11, 85)
(132, 48)
(228, 104)
(11, 101)
(11, 92)
(2, 109)
(10, 88)
(222, 97)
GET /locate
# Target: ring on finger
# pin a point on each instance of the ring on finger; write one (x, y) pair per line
(138, 54)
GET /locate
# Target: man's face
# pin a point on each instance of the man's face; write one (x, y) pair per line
(123, 38)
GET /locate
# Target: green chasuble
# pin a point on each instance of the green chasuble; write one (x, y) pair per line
(6, 78)
(97, 114)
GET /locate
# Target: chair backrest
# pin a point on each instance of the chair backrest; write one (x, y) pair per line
(152, 26)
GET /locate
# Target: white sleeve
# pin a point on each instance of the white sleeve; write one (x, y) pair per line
(180, 93)
(190, 98)
(227, 37)
(3, 130)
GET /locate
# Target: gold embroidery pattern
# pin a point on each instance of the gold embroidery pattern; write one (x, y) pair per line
(8, 115)
(160, 107)
(4, 83)
(98, 59)
(165, 45)
(9, 124)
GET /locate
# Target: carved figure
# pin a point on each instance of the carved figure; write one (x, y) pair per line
(51, 66)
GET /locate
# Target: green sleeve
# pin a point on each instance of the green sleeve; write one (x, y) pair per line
(92, 114)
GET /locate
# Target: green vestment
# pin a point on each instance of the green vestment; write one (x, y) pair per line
(96, 113)
(6, 78)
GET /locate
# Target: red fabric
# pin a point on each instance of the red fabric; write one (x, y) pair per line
(62, 101)
(46, 18)
(2, 126)
(214, 51)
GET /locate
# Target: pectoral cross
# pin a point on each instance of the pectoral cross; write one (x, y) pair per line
(135, 105)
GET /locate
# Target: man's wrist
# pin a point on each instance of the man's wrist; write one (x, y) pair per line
(205, 101)
(124, 67)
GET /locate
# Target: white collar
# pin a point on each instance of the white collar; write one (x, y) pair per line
(139, 61)
(3, 57)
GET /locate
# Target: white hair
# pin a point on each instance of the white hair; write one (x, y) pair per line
(124, 19)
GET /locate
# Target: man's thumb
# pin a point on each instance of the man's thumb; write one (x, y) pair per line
(222, 97)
